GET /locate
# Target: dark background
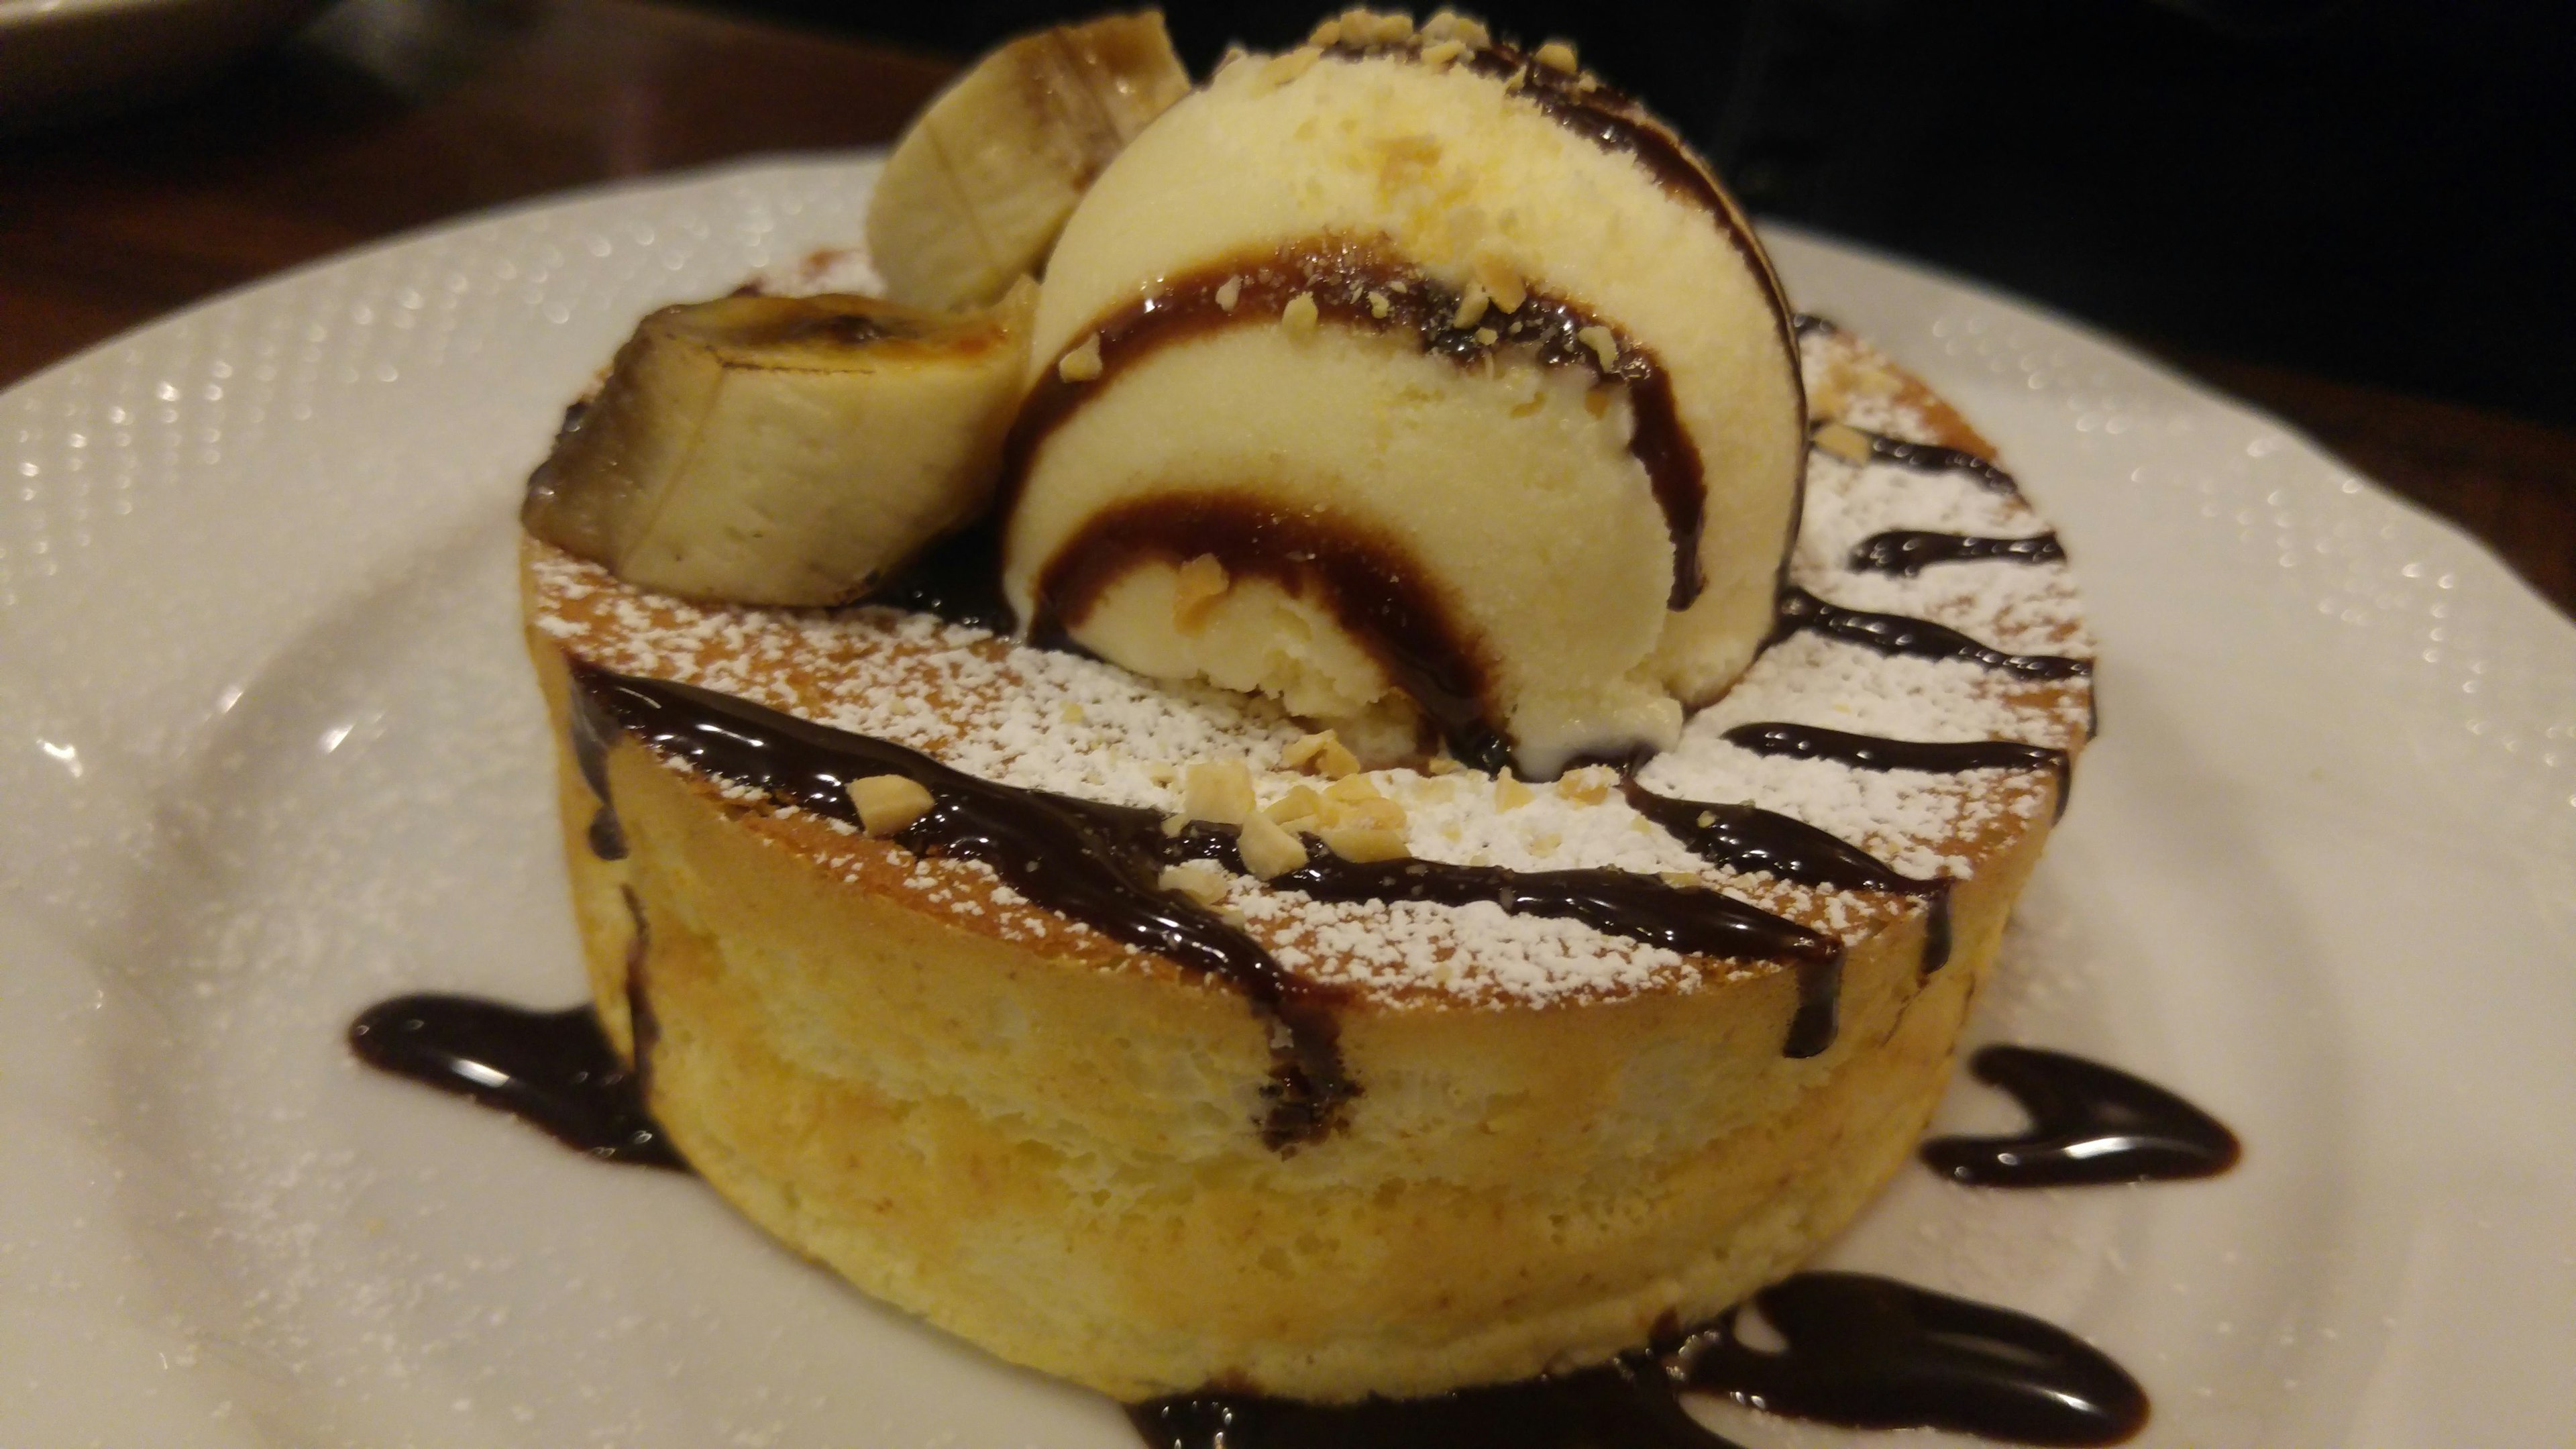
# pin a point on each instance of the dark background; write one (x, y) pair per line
(2356, 214)
(2374, 192)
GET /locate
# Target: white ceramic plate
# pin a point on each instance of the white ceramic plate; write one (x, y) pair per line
(270, 751)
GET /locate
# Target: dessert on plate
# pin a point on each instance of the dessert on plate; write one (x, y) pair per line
(1330, 756)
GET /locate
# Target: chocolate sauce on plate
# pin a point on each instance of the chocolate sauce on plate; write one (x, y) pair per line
(552, 1069)
(1861, 1351)
(2088, 1124)
(1628, 1403)
(1873, 1353)
(1906, 552)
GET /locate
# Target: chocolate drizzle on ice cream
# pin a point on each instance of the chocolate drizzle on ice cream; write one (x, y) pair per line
(1379, 598)
(1363, 285)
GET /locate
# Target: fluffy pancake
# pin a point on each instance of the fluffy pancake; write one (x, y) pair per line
(1057, 1145)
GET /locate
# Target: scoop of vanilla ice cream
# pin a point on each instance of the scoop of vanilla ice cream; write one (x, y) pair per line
(1366, 380)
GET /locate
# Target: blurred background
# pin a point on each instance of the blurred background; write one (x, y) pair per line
(2378, 191)
(2356, 212)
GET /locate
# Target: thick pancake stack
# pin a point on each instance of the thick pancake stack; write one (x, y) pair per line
(1553, 1065)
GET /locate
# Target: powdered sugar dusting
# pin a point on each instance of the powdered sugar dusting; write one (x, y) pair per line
(1055, 722)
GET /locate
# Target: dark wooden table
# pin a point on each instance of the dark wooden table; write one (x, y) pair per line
(391, 114)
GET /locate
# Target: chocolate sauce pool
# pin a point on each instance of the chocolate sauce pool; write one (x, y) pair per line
(2088, 1124)
(551, 1069)
(1861, 1351)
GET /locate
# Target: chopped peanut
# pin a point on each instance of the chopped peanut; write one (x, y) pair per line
(1511, 794)
(1378, 814)
(1587, 786)
(1300, 803)
(1268, 849)
(1201, 582)
(1285, 68)
(1364, 844)
(1300, 313)
(1352, 788)
(1082, 364)
(1196, 879)
(1843, 442)
(1321, 754)
(1218, 791)
(888, 803)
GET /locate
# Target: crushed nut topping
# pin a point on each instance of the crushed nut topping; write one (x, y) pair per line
(888, 803)
(1196, 879)
(1450, 25)
(1511, 794)
(1470, 306)
(1589, 785)
(1843, 442)
(1285, 68)
(1604, 344)
(1557, 55)
(1300, 313)
(1218, 791)
(1082, 364)
(1300, 803)
(1363, 844)
(1268, 849)
(1201, 582)
(1321, 754)
(1228, 293)
(1500, 278)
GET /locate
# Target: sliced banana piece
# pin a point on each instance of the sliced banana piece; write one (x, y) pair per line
(784, 450)
(978, 187)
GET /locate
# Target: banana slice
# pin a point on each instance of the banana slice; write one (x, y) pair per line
(784, 450)
(978, 187)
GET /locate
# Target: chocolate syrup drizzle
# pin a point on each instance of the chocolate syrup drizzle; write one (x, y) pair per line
(551, 1069)
(1099, 863)
(1348, 280)
(1877, 752)
(2088, 1124)
(589, 735)
(1915, 638)
(1615, 121)
(1749, 838)
(1862, 1351)
(1906, 552)
(1934, 458)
